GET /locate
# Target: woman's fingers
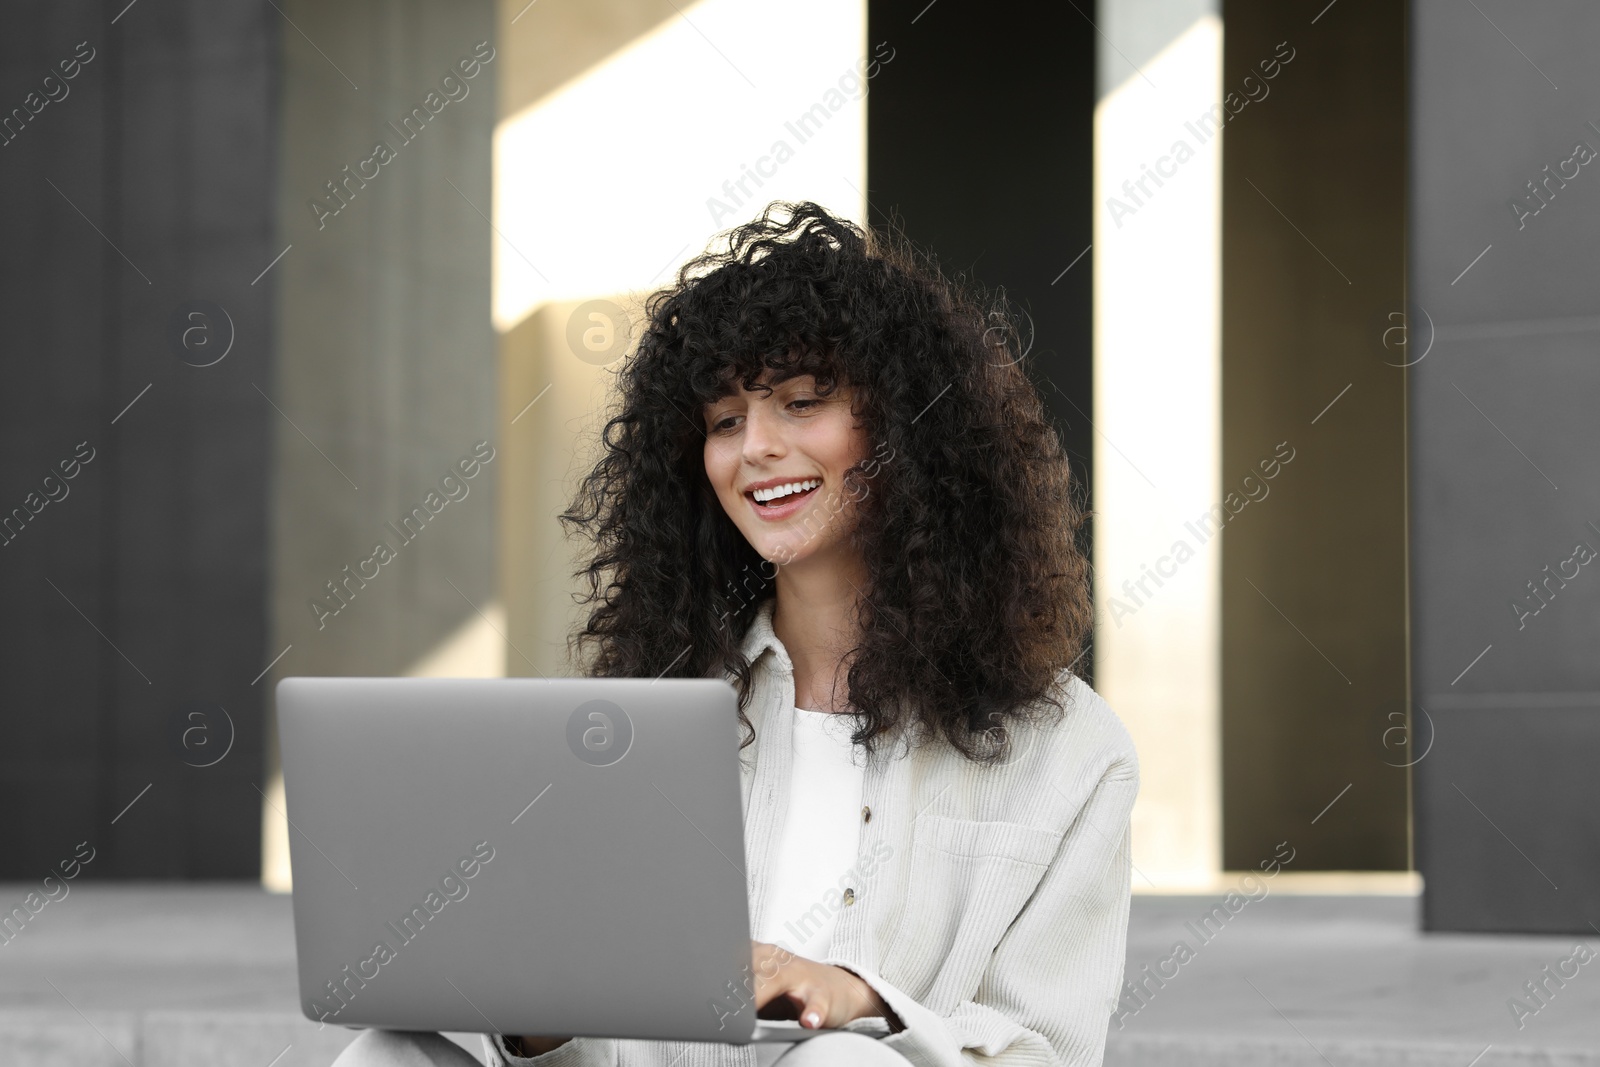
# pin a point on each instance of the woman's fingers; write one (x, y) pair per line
(771, 966)
(781, 975)
(814, 1012)
(819, 995)
(812, 1004)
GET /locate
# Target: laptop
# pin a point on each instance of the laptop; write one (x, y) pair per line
(521, 856)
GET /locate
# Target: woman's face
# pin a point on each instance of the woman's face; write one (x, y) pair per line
(758, 442)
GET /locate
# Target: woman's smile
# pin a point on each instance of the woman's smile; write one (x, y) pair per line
(776, 503)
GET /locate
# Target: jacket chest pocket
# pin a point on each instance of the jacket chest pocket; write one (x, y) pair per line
(968, 881)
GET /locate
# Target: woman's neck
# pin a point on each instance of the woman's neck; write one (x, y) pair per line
(815, 618)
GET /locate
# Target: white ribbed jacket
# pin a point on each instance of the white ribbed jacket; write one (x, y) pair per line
(995, 923)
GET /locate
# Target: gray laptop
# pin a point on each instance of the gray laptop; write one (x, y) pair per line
(520, 856)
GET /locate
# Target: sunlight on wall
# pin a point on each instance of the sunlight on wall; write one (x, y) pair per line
(610, 182)
(619, 176)
(1157, 372)
(475, 650)
(275, 877)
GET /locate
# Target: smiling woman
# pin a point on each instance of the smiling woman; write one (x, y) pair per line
(810, 346)
(927, 784)
(937, 611)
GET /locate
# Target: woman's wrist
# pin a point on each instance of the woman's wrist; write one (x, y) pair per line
(876, 1006)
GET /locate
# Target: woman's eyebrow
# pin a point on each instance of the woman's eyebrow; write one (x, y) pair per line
(709, 410)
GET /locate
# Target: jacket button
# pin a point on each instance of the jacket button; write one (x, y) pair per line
(866, 814)
(849, 897)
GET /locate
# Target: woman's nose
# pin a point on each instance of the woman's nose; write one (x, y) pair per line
(763, 435)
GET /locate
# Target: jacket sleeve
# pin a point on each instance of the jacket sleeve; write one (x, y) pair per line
(1050, 987)
(579, 1052)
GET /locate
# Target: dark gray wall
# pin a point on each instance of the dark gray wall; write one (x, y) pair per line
(137, 613)
(980, 142)
(1313, 574)
(1504, 480)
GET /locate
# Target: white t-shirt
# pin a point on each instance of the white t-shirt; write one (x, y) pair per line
(821, 833)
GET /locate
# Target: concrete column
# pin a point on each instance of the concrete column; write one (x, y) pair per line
(136, 169)
(1157, 407)
(1505, 492)
(1313, 438)
(385, 377)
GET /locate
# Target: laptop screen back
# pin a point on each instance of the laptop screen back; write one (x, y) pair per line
(518, 855)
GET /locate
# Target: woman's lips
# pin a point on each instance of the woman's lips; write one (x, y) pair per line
(778, 512)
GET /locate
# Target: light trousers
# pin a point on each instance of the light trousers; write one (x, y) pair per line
(417, 1048)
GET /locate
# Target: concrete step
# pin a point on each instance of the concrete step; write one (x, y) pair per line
(1254, 1051)
(48, 1038)
(175, 1039)
(1344, 980)
(179, 975)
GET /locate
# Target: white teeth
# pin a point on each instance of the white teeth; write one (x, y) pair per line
(777, 491)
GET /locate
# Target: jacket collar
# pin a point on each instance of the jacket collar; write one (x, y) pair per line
(760, 637)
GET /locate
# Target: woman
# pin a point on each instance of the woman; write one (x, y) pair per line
(831, 483)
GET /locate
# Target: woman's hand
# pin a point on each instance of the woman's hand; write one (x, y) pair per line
(818, 994)
(787, 987)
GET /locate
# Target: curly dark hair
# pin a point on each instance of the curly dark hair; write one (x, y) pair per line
(978, 596)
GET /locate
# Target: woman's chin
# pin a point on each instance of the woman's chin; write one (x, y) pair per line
(779, 556)
(782, 552)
